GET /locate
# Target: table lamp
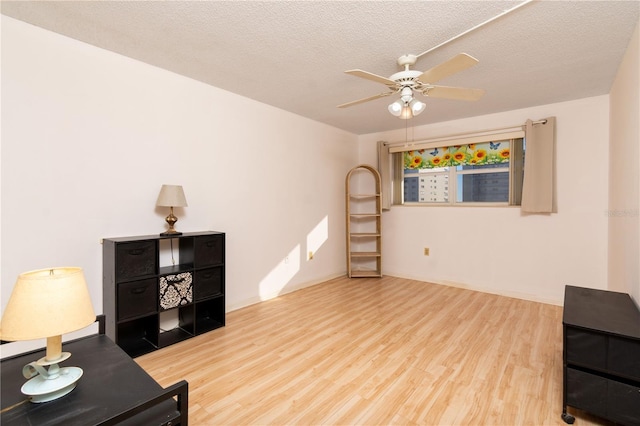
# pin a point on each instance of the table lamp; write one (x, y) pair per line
(171, 196)
(47, 303)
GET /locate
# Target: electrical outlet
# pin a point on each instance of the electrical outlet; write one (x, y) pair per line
(426, 251)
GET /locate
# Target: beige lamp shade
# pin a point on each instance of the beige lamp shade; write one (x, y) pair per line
(47, 302)
(171, 196)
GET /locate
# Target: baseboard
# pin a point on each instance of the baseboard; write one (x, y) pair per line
(300, 286)
(498, 292)
(287, 290)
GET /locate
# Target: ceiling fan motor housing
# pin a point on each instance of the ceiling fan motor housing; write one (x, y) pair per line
(406, 77)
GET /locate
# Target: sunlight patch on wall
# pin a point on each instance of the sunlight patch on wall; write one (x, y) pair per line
(272, 284)
(317, 237)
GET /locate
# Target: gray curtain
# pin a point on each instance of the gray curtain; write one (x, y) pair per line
(539, 185)
(384, 168)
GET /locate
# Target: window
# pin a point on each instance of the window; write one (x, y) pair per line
(489, 171)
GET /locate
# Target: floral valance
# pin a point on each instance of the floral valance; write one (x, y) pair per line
(472, 154)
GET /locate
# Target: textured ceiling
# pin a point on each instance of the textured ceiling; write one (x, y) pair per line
(293, 54)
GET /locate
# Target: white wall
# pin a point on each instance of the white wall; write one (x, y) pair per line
(498, 249)
(88, 138)
(624, 176)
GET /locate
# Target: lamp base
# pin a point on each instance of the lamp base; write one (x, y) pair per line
(171, 220)
(41, 389)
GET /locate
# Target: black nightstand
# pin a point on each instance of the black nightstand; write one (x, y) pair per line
(601, 355)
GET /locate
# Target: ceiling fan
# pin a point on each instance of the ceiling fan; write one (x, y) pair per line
(408, 81)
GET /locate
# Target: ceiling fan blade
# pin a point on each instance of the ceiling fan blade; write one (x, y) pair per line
(360, 101)
(373, 77)
(460, 93)
(460, 62)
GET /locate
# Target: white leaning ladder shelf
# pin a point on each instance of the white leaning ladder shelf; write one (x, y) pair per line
(364, 209)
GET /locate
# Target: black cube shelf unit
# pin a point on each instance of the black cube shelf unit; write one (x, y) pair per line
(147, 279)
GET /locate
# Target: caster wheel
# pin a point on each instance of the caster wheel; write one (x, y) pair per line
(568, 418)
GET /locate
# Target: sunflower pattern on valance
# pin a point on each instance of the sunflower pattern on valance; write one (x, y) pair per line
(472, 154)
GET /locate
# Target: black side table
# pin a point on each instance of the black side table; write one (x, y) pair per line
(112, 390)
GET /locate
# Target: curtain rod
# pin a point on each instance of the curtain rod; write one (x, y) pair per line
(456, 135)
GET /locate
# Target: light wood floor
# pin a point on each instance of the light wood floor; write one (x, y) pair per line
(375, 351)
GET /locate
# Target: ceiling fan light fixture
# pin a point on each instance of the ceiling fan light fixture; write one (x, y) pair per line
(417, 107)
(396, 108)
(406, 113)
